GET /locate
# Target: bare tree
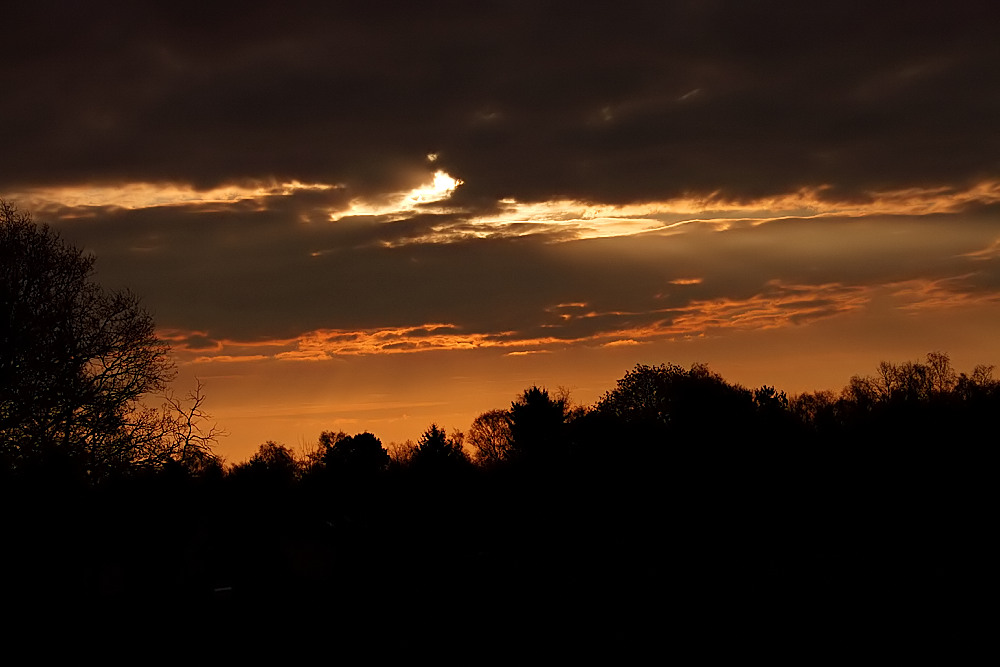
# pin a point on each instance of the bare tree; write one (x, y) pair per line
(187, 436)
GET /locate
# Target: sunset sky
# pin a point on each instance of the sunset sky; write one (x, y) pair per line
(368, 216)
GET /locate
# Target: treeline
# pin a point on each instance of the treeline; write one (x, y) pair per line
(660, 413)
(678, 510)
(657, 411)
(677, 504)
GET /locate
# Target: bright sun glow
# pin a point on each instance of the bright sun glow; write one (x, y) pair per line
(440, 188)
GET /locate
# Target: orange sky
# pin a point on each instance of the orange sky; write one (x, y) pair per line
(398, 396)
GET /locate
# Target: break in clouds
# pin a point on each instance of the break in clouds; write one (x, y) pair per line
(318, 181)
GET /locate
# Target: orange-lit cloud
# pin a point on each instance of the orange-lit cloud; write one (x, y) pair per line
(943, 294)
(229, 358)
(558, 219)
(393, 205)
(147, 195)
(786, 305)
(622, 343)
(573, 220)
(782, 305)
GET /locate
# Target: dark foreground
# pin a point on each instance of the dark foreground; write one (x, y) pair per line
(713, 553)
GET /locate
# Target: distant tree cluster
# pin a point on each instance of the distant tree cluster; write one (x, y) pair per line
(667, 411)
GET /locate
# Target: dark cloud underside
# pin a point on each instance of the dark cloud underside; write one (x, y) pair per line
(251, 274)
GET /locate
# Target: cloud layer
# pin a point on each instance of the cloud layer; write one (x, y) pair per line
(527, 100)
(330, 182)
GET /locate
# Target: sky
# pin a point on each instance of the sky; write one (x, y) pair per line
(378, 216)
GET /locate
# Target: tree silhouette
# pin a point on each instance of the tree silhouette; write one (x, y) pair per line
(816, 410)
(490, 437)
(905, 383)
(437, 451)
(272, 465)
(356, 456)
(537, 424)
(668, 398)
(980, 384)
(74, 359)
(186, 438)
(312, 458)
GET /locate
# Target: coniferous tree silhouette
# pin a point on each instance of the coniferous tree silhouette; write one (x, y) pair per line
(439, 453)
(538, 425)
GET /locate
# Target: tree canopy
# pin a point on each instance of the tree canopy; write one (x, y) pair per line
(490, 436)
(537, 423)
(437, 451)
(352, 455)
(75, 360)
(669, 397)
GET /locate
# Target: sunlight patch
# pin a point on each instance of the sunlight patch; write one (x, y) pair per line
(561, 220)
(574, 220)
(440, 188)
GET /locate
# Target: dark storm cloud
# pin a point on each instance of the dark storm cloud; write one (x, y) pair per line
(600, 102)
(525, 101)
